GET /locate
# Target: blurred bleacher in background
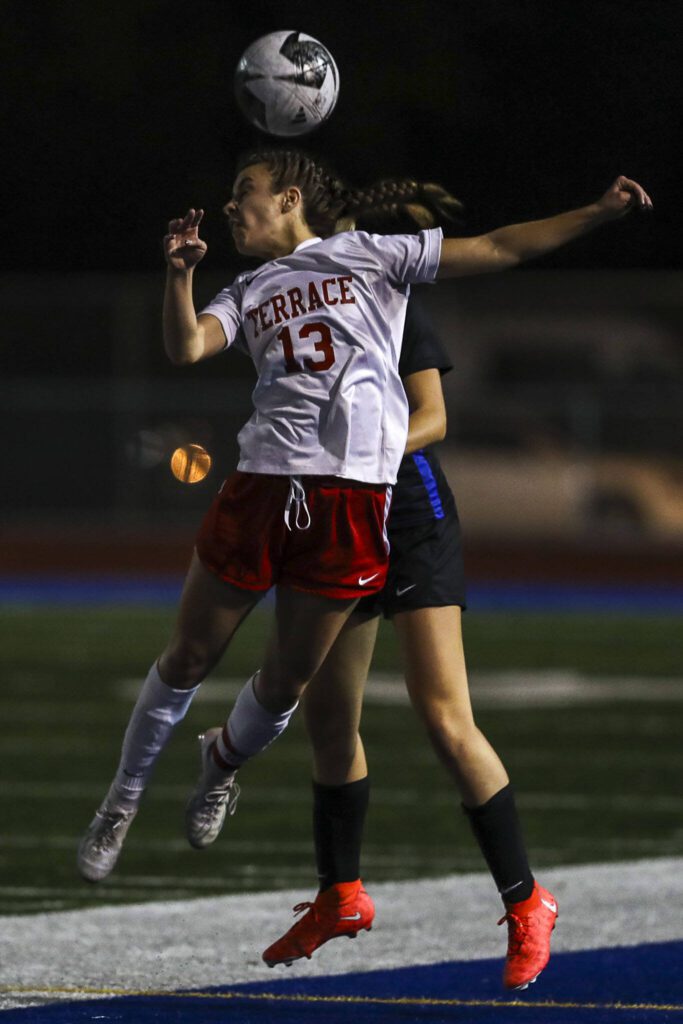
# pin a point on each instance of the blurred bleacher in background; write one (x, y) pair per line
(564, 447)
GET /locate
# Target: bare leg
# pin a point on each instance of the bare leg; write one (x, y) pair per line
(209, 614)
(436, 677)
(333, 702)
(306, 626)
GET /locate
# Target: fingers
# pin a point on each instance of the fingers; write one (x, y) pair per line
(190, 221)
(639, 199)
(182, 238)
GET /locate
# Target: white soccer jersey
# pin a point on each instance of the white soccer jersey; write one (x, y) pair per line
(324, 328)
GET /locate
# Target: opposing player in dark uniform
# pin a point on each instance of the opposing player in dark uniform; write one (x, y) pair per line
(424, 596)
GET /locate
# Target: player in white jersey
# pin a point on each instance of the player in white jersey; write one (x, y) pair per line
(313, 527)
(326, 344)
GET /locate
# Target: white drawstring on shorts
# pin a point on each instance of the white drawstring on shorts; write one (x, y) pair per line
(297, 496)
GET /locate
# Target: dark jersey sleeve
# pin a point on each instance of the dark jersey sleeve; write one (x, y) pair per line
(421, 348)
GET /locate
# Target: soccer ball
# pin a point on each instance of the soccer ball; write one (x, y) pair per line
(286, 83)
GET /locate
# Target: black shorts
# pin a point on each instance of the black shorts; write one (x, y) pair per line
(425, 569)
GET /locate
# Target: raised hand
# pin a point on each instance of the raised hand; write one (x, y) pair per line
(183, 248)
(622, 197)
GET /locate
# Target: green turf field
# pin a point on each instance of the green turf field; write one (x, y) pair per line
(597, 780)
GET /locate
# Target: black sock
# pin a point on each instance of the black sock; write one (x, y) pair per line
(497, 830)
(338, 820)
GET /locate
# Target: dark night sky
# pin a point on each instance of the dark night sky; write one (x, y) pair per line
(122, 116)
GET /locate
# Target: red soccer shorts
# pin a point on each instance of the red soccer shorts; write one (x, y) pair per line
(344, 552)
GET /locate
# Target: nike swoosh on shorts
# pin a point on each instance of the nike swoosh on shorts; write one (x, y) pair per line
(400, 591)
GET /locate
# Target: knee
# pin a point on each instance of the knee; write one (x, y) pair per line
(184, 664)
(332, 729)
(285, 678)
(297, 669)
(333, 740)
(448, 726)
(333, 754)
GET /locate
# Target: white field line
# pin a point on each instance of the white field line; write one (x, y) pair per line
(50, 746)
(401, 853)
(17, 748)
(218, 941)
(266, 794)
(489, 690)
(507, 690)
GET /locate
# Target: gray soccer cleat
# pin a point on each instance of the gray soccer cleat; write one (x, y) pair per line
(101, 844)
(214, 796)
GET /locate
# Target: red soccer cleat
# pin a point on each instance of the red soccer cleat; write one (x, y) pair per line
(530, 924)
(343, 909)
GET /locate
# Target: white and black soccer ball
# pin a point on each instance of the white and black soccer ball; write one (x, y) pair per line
(286, 83)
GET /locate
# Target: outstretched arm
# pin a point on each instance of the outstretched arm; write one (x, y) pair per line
(508, 246)
(186, 339)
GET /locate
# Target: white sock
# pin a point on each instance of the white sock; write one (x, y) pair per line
(157, 711)
(250, 727)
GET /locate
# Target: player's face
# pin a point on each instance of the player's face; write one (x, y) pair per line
(255, 213)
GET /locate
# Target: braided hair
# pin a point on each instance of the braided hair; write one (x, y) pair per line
(402, 205)
(330, 206)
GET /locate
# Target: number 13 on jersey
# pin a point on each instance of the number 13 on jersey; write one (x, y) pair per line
(322, 344)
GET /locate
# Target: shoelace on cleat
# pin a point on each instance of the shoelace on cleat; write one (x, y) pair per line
(516, 932)
(317, 916)
(111, 820)
(215, 799)
(301, 925)
(300, 907)
(220, 793)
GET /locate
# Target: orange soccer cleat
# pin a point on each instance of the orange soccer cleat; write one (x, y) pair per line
(530, 924)
(343, 909)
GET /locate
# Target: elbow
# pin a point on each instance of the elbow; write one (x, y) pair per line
(439, 423)
(184, 352)
(435, 432)
(183, 347)
(440, 429)
(504, 254)
(182, 358)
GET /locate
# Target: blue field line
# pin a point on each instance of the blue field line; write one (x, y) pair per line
(565, 597)
(88, 591)
(641, 984)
